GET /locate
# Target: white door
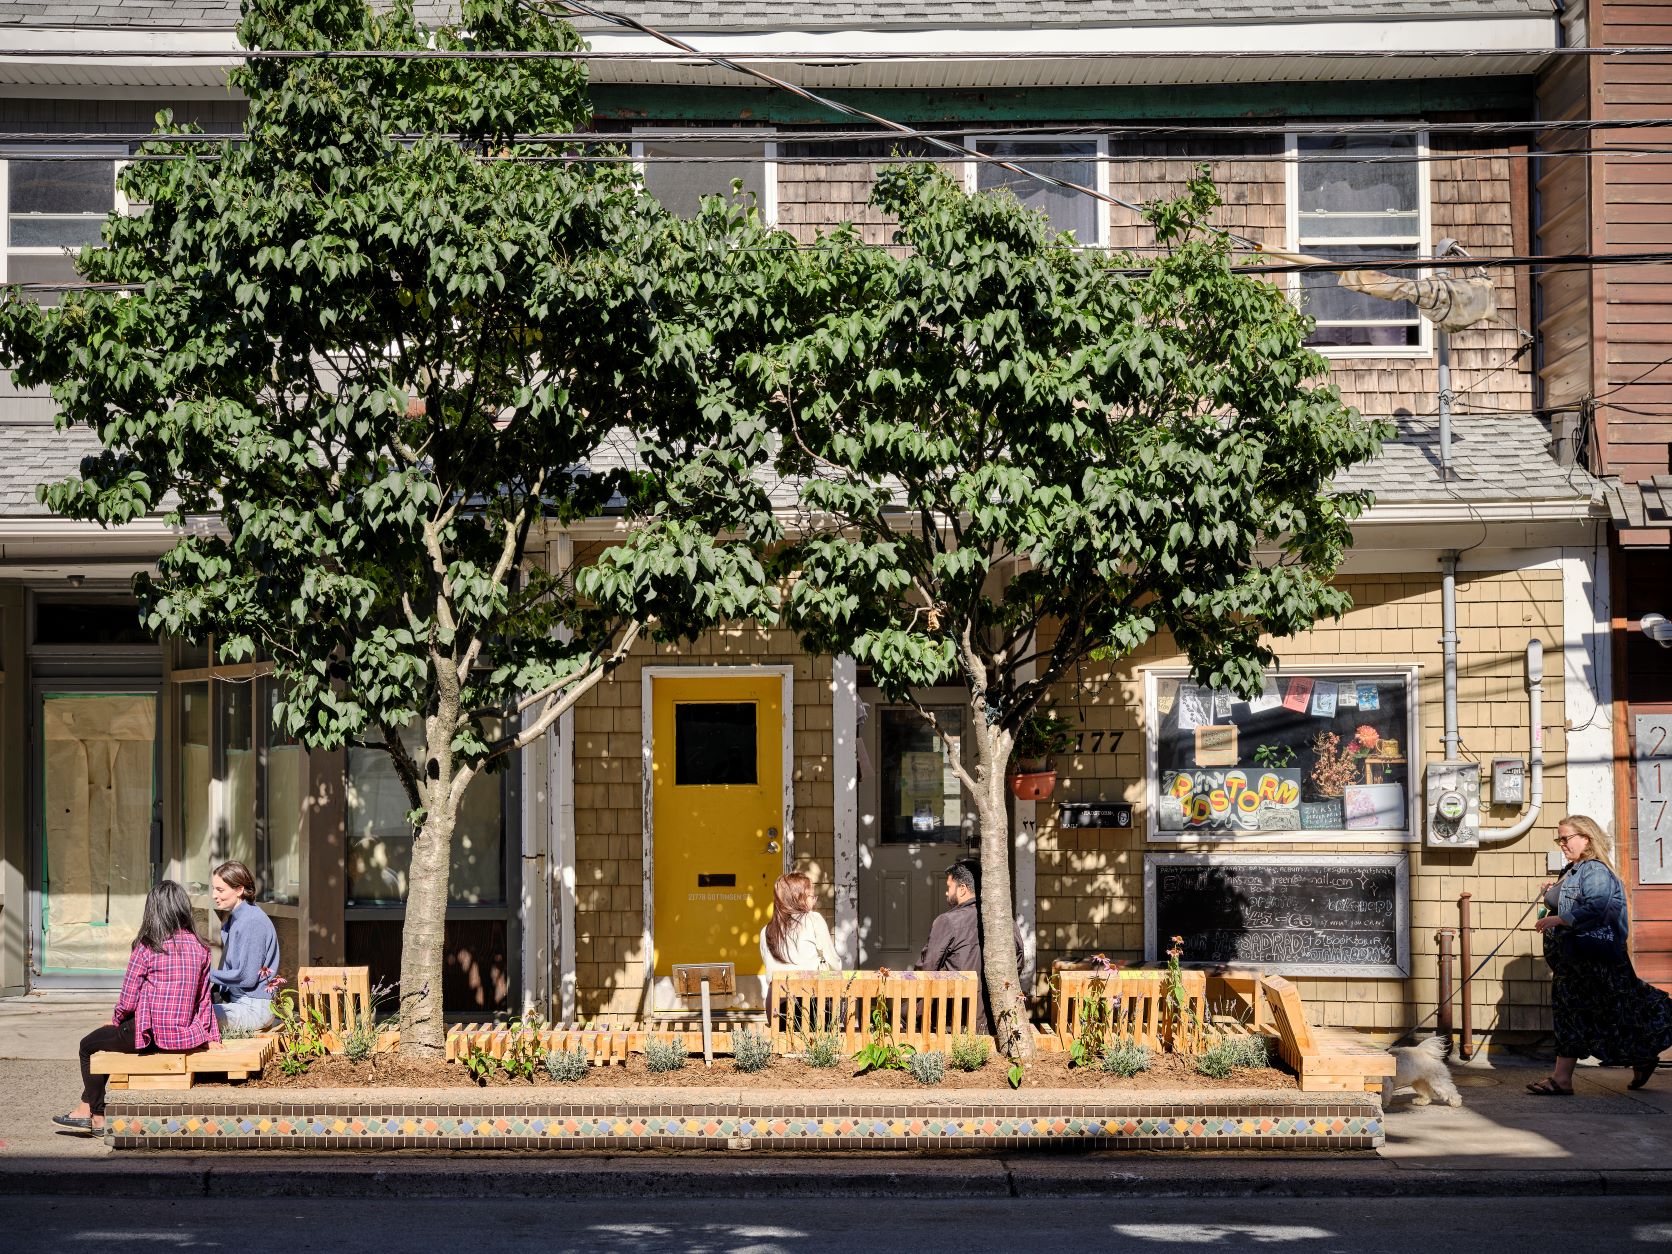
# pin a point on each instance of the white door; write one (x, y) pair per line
(915, 820)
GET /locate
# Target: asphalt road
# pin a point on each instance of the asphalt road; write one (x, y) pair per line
(713, 1226)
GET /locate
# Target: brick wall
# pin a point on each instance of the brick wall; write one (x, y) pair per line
(1090, 883)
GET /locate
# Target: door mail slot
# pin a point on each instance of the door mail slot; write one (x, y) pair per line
(728, 880)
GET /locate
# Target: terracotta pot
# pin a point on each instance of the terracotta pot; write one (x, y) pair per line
(1032, 785)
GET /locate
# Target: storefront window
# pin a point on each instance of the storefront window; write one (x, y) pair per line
(284, 808)
(922, 800)
(1322, 752)
(238, 782)
(193, 793)
(380, 838)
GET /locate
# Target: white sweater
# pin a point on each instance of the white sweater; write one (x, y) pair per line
(808, 943)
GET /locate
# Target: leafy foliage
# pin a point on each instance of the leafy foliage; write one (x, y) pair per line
(1125, 1058)
(824, 1050)
(751, 1050)
(664, 1054)
(969, 1053)
(567, 1066)
(368, 353)
(927, 1066)
(882, 1052)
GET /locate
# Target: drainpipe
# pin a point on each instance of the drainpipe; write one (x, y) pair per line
(1445, 248)
(1535, 800)
(1448, 637)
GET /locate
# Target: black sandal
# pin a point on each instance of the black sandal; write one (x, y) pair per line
(1642, 1073)
(1548, 1087)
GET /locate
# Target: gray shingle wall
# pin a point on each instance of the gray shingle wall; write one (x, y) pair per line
(36, 453)
(775, 14)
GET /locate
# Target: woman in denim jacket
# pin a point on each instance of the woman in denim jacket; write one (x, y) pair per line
(1599, 1005)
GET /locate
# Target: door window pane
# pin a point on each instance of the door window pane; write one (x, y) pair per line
(283, 807)
(238, 771)
(713, 743)
(193, 781)
(380, 838)
(679, 173)
(922, 799)
(1072, 161)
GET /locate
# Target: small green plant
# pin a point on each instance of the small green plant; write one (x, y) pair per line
(523, 1056)
(1250, 1051)
(1125, 1058)
(661, 1055)
(927, 1066)
(1274, 757)
(824, 1050)
(882, 1052)
(1215, 1063)
(1096, 1012)
(1042, 735)
(301, 1033)
(751, 1050)
(566, 1066)
(1180, 1019)
(359, 1037)
(1015, 1075)
(969, 1053)
(480, 1064)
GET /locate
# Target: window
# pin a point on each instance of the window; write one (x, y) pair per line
(1358, 198)
(1072, 160)
(921, 800)
(284, 812)
(714, 743)
(1327, 753)
(55, 205)
(680, 172)
(380, 838)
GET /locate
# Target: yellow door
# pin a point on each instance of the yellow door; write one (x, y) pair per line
(718, 811)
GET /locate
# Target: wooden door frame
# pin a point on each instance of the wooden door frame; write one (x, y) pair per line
(647, 725)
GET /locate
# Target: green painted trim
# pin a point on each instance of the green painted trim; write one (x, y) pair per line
(1416, 98)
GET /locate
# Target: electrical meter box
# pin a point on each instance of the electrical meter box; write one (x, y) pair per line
(1453, 805)
(1509, 781)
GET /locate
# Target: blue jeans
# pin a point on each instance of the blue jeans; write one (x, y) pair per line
(248, 1014)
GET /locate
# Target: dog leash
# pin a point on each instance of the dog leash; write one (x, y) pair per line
(1481, 965)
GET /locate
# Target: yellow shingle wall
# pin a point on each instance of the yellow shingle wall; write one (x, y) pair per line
(609, 806)
(1090, 883)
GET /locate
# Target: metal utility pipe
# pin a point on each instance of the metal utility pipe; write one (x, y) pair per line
(1445, 403)
(1466, 1042)
(1444, 937)
(1535, 797)
(1448, 639)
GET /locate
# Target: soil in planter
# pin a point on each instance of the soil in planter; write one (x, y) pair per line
(1048, 1071)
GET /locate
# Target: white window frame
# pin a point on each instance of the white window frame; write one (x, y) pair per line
(769, 155)
(118, 158)
(1099, 159)
(1411, 835)
(1424, 347)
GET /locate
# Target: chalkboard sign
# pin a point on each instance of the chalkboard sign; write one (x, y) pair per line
(1300, 914)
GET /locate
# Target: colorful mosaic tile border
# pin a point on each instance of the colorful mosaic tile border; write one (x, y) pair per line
(324, 1120)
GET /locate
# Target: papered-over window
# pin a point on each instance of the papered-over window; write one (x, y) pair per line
(1315, 751)
(1358, 198)
(680, 172)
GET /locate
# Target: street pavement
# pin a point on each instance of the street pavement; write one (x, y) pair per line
(1502, 1142)
(716, 1225)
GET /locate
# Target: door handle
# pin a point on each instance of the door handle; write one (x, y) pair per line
(771, 846)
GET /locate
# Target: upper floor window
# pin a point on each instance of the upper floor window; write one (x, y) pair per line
(1358, 198)
(679, 172)
(1071, 160)
(56, 204)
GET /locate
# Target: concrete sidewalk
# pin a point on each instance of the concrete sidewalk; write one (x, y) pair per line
(1502, 1142)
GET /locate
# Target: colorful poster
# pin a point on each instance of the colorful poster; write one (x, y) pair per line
(1323, 699)
(1252, 799)
(1369, 697)
(1297, 695)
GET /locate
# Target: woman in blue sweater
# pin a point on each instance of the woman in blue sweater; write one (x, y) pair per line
(249, 951)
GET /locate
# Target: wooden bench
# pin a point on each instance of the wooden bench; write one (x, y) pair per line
(235, 1060)
(1325, 1059)
(926, 1010)
(1137, 1006)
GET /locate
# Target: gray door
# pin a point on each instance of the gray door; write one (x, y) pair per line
(915, 819)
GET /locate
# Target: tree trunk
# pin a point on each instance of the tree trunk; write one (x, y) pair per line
(423, 935)
(998, 929)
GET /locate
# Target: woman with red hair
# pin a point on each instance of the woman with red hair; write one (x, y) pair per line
(795, 938)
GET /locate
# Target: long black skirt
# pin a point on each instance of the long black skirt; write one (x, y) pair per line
(1602, 1010)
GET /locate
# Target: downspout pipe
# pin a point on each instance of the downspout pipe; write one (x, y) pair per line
(1448, 640)
(1535, 801)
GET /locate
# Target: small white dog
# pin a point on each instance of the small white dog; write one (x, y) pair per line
(1423, 1068)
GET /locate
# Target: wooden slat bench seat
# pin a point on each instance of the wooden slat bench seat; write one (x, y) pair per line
(235, 1060)
(1325, 1059)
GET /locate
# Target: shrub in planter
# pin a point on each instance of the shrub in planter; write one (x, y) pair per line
(1248, 1051)
(567, 1065)
(927, 1066)
(1125, 1058)
(823, 1051)
(662, 1055)
(751, 1050)
(969, 1053)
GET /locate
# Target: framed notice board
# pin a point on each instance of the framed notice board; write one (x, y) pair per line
(1335, 914)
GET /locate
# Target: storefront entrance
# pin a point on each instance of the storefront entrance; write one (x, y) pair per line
(99, 831)
(914, 821)
(718, 822)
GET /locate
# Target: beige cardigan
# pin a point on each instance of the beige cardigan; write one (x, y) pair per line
(809, 946)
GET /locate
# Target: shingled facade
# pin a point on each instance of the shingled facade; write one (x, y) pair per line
(567, 864)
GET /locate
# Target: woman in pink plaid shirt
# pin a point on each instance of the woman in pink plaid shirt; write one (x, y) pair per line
(164, 1005)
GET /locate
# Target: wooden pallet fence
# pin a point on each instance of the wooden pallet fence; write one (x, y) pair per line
(927, 1011)
(1138, 1007)
(602, 1046)
(343, 998)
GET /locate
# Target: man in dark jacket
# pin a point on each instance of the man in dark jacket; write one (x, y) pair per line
(954, 942)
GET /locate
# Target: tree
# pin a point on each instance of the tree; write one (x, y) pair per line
(382, 337)
(1024, 454)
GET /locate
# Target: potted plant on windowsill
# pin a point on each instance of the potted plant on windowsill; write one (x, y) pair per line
(1334, 767)
(1033, 766)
